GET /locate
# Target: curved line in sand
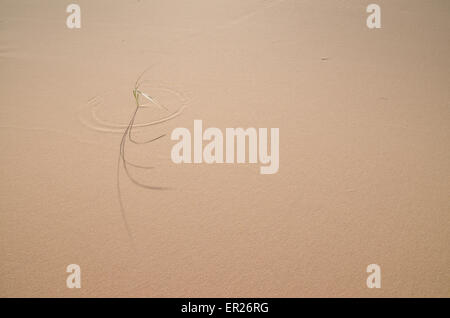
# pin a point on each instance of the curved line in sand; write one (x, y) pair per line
(90, 119)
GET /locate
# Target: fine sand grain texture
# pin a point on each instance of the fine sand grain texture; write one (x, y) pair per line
(364, 176)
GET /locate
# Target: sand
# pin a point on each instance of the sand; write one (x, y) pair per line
(364, 172)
